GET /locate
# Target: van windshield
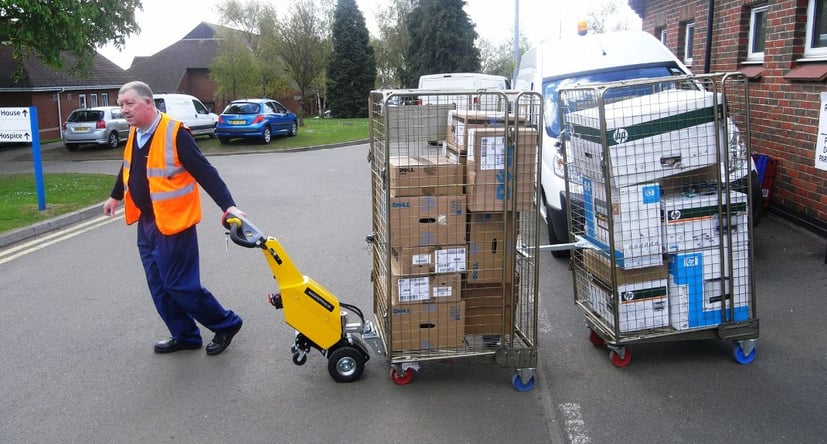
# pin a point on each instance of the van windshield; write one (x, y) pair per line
(552, 86)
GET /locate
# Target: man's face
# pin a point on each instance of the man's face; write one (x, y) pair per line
(138, 112)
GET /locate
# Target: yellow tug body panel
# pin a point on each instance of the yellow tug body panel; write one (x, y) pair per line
(308, 307)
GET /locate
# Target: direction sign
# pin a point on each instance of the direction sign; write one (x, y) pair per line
(15, 125)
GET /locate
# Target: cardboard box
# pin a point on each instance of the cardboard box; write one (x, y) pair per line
(692, 221)
(501, 172)
(647, 137)
(489, 308)
(427, 326)
(412, 124)
(640, 294)
(462, 122)
(491, 247)
(635, 224)
(425, 288)
(425, 176)
(699, 281)
(432, 259)
(417, 221)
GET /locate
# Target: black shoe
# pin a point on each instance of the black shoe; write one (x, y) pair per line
(173, 345)
(222, 340)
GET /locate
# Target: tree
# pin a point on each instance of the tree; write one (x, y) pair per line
(499, 60)
(351, 73)
(251, 46)
(389, 48)
(234, 70)
(50, 28)
(303, 43)
(441, 40)
(606, 16)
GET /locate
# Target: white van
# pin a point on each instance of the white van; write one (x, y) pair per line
(189, 110)
(582, 60)
(464, 81)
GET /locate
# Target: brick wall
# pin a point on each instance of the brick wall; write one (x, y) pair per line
(784, 111)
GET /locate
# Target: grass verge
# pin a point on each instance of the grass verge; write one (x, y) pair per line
(64, 193)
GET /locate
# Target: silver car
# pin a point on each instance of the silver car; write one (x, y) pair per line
(102, 125)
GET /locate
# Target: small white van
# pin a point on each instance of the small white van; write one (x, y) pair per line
(583, 60)
(464, 81)
(189, 110)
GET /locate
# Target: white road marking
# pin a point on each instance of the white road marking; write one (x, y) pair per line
(573, 423)
(46, 240)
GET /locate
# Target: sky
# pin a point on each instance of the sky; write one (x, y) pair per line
(164, 22)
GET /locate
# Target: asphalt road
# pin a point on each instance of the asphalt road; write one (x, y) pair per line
(79, 325)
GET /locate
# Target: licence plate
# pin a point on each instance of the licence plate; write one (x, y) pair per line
(80, 129)
(237, 122)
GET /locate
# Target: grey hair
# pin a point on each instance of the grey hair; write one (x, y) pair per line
(141, 89)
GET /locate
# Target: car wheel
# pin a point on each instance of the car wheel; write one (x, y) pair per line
(266, 135)
(72, 146)
(112, 141)
(224, 140)
(294, 129)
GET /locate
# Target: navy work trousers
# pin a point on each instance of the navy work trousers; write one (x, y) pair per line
(171, 264)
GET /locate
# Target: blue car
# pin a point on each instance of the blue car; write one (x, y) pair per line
(255, 119)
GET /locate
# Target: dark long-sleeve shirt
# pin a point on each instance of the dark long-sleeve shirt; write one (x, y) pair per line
(193, 161)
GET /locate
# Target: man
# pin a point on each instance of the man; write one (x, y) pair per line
(159, 184)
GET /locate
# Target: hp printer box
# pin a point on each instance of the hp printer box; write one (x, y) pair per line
(635, 222)
(646, 137)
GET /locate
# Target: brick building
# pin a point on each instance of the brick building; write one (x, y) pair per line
(781, 45)
(56, 93)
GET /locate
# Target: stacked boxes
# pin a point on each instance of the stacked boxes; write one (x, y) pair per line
(453, 219)
(642, 293)
(700, 246)
(657, 156)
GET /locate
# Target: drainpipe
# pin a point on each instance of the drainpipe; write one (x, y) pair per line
(59, 116)
(710, 15)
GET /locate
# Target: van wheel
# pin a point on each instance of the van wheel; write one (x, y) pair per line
(266, 135)
(294, 129)
(552, 236)
(112, 141)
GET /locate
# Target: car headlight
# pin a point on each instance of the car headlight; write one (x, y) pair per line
(559, 165)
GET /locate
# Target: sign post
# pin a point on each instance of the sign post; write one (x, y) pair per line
(821, 141)
(20, 125)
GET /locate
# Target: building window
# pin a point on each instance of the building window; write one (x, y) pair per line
(82, 100)
(93, 100)
(688, 37)
(816, 29)
(660, 33)
(104, 99)
(757, 33)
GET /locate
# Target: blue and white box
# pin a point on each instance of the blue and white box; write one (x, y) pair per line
(692, 221)
(698, 281)
(635, 222)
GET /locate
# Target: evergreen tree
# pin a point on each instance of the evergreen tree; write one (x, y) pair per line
(441, 40)
(351, 72)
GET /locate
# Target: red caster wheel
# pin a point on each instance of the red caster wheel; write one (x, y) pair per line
(619, 361)
(401, 379)
(595, 339)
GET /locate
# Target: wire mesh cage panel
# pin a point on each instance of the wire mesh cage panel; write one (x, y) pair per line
(455, 224)
(659, 177)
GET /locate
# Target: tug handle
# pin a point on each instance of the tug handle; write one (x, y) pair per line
(241, 230)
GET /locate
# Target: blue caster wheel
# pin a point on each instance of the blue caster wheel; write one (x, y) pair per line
(519, 385)
(741, 357)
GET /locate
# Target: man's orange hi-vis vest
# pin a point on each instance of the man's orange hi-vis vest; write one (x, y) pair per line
(173, 191)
